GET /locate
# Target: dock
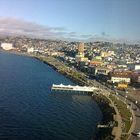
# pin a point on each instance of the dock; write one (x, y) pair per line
(70, 88)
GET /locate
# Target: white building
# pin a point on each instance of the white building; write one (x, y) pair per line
(137, 67)
(120, 79)
(7, 46)
(30, 50)
(134, 66)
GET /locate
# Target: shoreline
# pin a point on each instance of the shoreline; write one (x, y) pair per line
(103, 104)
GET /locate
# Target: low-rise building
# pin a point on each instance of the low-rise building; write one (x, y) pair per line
(101, 70)
(135, 77)
(134, 66)
(7, 46)
(30, 50)
(120, 76)
(122, 85)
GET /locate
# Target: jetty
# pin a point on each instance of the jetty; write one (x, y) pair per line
(74, 89)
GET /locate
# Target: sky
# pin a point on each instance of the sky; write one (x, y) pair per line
(87, 20)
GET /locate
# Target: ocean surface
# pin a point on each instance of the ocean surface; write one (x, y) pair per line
(28, 109)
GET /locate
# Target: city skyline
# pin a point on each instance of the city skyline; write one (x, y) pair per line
(80, 20)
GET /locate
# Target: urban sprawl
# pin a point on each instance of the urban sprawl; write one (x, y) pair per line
(115, 67)
(114, 63)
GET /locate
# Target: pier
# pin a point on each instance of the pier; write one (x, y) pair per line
(70, 88)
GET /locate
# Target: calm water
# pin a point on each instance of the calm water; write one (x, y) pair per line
(28, 111)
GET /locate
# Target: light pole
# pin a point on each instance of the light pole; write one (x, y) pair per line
(117, 93)
(125, 97)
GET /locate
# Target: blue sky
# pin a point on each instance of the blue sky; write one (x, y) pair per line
(83, 19)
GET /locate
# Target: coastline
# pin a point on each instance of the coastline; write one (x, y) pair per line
(104, 105)
(108, 116)
(101, 134)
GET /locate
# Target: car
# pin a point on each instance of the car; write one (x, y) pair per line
(138, 135)
(134, 109)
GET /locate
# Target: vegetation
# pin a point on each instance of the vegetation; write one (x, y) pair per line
(124, 112)
(102, 101)
(108, 112)
(74, 75)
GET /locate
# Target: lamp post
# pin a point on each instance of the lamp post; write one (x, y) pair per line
(125, 97)
(136, 102)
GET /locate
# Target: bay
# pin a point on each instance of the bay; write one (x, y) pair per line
(28, 110)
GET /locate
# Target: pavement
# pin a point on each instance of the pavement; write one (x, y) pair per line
(132, 97)
(117, 131)
(137, 126)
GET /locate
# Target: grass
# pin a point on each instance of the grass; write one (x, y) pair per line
(124, 112)
(62, 68)
(124, 137)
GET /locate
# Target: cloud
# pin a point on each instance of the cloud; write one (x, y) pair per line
(12, 26)
(85, 36)
(21, 27)
(72, 34)
(107, 38)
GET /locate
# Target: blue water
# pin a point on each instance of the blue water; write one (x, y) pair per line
(28, 110)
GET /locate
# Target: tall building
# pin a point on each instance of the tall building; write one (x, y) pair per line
(80, 55)
(81, 48)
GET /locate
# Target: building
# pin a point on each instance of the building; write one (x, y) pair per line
(134, 66)
(137, 66)
(104, 54)
(111, 66)
(117, 79)
(81, 48)
(135, 77)
(96, 63)
(122, 85)
(30, 50)
(101, 70)
(120, 76)
(7, 46)
(80, 55)
(107, 54)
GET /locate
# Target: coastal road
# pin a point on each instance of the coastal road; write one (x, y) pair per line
(132, 98)
(136, 110)
(137, 127)
(131, 101)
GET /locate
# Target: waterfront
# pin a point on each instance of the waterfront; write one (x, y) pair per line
(29, 111)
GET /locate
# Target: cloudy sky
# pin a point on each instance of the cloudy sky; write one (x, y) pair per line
(87, 20)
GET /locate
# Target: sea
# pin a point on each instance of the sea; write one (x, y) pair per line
(30, 111)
